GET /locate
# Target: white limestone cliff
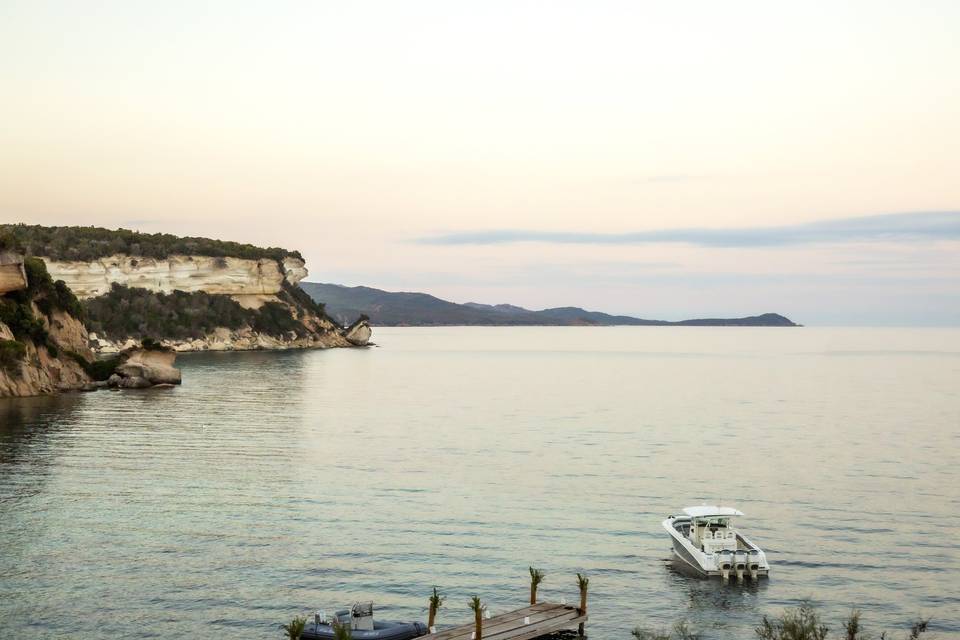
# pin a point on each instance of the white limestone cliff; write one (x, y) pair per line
(251, 283)
(227, 276)
(12, 275)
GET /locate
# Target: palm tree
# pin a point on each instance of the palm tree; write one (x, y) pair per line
(294, 629)
(584, 582)
(536, 577)
(477, 607)
(436, 601)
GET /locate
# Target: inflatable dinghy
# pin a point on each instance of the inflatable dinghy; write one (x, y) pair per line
(362, 627)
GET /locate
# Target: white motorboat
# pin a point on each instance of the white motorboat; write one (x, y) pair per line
(705, 543)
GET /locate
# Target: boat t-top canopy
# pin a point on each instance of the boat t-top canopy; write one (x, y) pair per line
(710, 511)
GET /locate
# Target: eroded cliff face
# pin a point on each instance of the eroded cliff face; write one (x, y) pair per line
(226, 276)
(39, 371)
(251, 283)
(13, 277)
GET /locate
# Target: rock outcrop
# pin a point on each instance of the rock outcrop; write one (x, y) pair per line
(141, 368)
(226, 276)
(359, 333)
(13, 277)
(154, 366)
(223, 339)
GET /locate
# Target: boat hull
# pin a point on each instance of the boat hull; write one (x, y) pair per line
(381, 631)
(685, 562)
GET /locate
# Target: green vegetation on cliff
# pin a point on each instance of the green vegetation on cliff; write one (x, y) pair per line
(7, 241)
(131, 312)
(11, 355)
(90, 243)
(17, 311)
(127, 312)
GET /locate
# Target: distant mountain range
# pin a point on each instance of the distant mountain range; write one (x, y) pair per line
(400, 309)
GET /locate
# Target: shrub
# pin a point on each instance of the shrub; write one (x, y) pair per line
(99, 369)
(802, 623)
(11, 356)
(294, 628)
(296, 296)
(275, 319)
(138, 313)
(8, 242)
(126, 312)
(681, 631)
(150, 344)
(16, 313)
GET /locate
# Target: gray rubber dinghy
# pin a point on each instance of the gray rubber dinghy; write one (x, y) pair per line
(362, 626)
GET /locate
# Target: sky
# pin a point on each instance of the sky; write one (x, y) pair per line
(660, 159)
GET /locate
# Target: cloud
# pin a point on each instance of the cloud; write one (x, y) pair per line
(927, 225)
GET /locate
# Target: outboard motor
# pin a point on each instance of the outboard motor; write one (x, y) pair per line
(753, 564)
(725, 563)
(361, 616)
(740, 563)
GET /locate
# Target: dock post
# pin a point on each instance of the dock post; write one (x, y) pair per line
(584, 582)
(536, 577)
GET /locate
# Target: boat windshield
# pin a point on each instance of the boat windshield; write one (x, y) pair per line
(714, 522)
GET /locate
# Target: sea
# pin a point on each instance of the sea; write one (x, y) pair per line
(272, 484)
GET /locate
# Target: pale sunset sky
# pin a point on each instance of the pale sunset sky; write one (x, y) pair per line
(659, 159)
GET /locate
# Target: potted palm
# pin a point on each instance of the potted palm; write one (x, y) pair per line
(477, 607)
(436, 601)
(583, 582)
(536, 577)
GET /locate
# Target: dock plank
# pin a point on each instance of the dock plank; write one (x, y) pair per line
(544, 618)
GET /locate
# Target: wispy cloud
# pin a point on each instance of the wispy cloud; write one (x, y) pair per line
(926, 225)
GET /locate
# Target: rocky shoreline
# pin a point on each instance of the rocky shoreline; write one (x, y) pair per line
(246, 339)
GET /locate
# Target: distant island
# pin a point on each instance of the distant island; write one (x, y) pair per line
(403, 309)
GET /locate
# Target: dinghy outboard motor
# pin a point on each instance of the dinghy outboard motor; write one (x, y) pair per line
(361, 616)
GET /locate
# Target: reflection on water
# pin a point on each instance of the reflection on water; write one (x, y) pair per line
(271, 484)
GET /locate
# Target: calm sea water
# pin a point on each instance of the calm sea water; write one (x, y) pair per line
(272, 484)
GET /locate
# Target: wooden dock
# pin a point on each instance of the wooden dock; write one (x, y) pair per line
(541, 618)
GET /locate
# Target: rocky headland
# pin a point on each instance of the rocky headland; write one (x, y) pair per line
(89, 308)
